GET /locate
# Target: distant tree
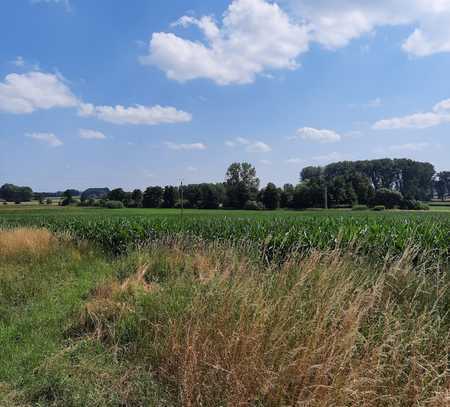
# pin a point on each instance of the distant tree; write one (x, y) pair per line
(441, 184)
(241, 184)
(170, 196)
(287, 196)
(137, 198)
(49, 201)
(153, 197)
(308, 194)
(67, 198)
(311, 173)
(14, 193)
(388, 198)
(271, 197)
(210, 196)
(117, 194)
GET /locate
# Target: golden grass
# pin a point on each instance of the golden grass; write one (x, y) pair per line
(317, 331)
(26, 241)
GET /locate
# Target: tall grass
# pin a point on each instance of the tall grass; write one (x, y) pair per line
(221, 328)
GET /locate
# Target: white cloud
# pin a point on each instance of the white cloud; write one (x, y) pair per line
(319, 159)
(47, 138)
(191, 169)
(439, 115)
(258, 147)
(250, 146)
(19, 61)
(91, 134)
(148, 115)
(255, 36)
(408, 147)
(25, 93)
(193, 146)
(334, 23)
(318, 135)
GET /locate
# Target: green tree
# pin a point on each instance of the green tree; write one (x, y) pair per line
(117, 194)
(388, 198)
(137, 197)
(153, 197)
(241, 185)
(170, 196)
(287, 196)
(271, 197)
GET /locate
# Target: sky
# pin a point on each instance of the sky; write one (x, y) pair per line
(155, 92)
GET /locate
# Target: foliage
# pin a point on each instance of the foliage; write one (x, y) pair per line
(241, 184)
(388, 198)
(113, 204)
(14, 193)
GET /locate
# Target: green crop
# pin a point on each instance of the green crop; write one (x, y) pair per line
(376, 236)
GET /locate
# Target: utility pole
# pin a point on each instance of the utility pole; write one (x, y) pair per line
(182, 200)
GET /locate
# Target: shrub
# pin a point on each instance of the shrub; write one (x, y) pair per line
(413, 205)
(253, 206)
(113, 205)
(388, 198)
(360, 208)
(379, 208)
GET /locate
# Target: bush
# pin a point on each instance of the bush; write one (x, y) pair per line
(360, 208)
(49, 201)
(253, 206)
(388, 198)
(113, 205)
(413, 205)
(379, 208)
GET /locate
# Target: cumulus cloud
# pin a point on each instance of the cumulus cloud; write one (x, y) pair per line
(334, 23)
(318, 135)
(439, 115)
(249, 145)
(47, 138)
(25, 93)
(186, 147)
(147, 115)
(257, 36)
(88, 134)
(254, 36)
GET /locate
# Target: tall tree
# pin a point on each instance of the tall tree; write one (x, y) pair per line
(241, 184)
(271, 197)
(137, 197)
(153, 197)
(170, 196)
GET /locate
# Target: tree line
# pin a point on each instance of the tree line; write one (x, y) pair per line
(392, 183)
(388, 182)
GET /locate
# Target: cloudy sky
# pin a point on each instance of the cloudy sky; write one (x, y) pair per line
(130, 94)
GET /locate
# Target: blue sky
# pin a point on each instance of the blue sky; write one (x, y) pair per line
(150, 92)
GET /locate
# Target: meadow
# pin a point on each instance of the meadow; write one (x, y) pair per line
(223, 308)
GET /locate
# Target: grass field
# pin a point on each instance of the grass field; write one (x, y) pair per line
(223, 308)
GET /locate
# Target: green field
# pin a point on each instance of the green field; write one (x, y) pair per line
(137, 307)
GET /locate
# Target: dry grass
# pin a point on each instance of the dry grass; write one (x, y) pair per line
(26, 241)
(318, 331)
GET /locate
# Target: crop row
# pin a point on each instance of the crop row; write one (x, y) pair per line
(376, 236)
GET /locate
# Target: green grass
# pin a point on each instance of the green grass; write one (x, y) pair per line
(212, 324)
